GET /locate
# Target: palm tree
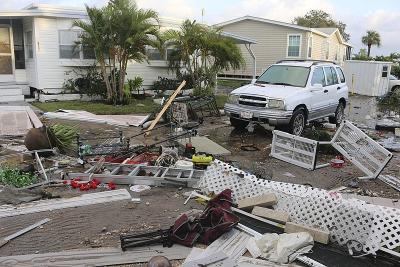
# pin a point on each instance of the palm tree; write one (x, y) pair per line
(201, 52)
(119, 33)
(372, 38)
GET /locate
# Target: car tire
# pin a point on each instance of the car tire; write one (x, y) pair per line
(396, 90)
(339, 114)
(238, 124)
(297, 122)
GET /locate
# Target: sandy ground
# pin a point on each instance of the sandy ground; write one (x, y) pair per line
(101, 225)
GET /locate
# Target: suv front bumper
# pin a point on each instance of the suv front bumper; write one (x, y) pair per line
(262, 115)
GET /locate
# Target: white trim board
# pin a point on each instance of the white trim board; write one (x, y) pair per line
(55, 204)
(96, 257)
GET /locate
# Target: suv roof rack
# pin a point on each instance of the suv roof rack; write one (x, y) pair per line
(315, 62)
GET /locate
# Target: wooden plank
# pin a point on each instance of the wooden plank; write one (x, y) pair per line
(165, 107)
(34, 119)
(264, 200)
(319, 235)
(274, 215)
(96, 257)
(55, 204)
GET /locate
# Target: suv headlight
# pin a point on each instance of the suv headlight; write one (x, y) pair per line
(232, 99)
(277, 104)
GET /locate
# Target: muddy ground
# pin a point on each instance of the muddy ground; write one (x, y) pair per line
(101, 225)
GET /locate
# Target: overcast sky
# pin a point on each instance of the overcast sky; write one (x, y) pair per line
(359, 15)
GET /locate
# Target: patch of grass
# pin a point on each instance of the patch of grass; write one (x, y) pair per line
(14, 177)
(232, 83)
(100, 108)
(221, 99)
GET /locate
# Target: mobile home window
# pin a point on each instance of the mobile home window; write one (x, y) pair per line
(28, 44)
(293, 49)
(154, 54)
(384, 71)
(68, 47)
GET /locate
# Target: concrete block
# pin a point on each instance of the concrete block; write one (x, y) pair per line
(265, 200)
(319, 235)
(274, 215)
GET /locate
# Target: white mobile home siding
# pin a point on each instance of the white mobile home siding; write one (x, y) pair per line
(53, 71)
(271, 43)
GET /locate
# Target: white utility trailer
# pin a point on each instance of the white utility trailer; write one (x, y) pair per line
(369, 78)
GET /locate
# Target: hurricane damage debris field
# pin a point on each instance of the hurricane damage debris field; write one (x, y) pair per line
(95, 205)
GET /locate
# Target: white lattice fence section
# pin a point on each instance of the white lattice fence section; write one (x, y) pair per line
(351, 222)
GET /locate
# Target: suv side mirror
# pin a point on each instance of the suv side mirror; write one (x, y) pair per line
(253, 81)
(317, 87)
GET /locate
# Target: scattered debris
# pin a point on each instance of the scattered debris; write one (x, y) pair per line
(23, 231)
(139, 188)
(283, 248)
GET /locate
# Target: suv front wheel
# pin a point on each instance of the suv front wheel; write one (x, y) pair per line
(297, 122)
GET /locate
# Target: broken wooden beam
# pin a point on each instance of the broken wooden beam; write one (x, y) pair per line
(319, 235)
(265, 200)
(274, 215)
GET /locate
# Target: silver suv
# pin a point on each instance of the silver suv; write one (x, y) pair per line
(289, 94)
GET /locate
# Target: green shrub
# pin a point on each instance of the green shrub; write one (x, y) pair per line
(16, 178)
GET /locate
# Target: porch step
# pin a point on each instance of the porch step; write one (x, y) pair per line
(10, 92)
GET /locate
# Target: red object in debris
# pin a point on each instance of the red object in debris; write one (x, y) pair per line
(96, 181)
(337, 163)
(111, 186)
(93, 184)
(65, 182)
(74, 184)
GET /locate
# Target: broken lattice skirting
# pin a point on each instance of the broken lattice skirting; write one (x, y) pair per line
(351, 222)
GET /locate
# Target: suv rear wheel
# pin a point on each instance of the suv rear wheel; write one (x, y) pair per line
(238, 124)
(297, 122)
(339, 114)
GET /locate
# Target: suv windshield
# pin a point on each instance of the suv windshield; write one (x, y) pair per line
(285, 75)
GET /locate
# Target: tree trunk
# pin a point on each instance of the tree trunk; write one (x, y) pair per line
(369, 50)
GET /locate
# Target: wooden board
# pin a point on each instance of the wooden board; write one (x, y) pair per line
(165, 107)
(34, 119)
(232, 243)
(55, 204)
(96, 257)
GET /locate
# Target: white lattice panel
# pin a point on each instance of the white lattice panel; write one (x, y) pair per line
(361, 149)
(294, 149)
(351, 222)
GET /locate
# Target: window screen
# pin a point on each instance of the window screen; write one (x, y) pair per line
(294, 46)
(318, 77)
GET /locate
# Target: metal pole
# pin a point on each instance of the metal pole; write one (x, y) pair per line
(248, 47)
